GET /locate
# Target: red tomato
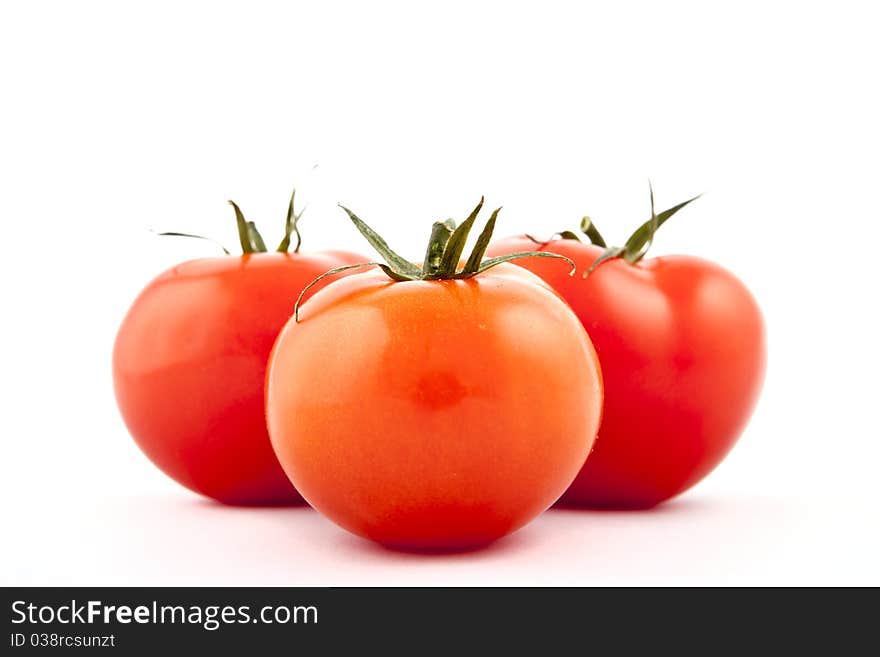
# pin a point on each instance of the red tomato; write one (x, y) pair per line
(189, 367)
(682, 347)
(433, 414)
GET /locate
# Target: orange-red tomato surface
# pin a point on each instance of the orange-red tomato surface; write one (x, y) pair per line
(682, 347)
(434, 414)
(189, 368)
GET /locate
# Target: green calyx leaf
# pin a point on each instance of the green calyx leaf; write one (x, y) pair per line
(455, 244)
(290, 227)
(196, 237)
(475, 261)
(255, 238)
(442, 256)
(640, 241)
(638, 244)
(589, 229)
(398, 264)
(563, 235)
(608, 254)
(248, 235)
(445, 248)
(492, 262)
(251, 240)
(441, 231)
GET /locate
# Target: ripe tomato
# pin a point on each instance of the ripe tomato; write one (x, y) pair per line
(189, 367)
(440, 412)
(682, 347)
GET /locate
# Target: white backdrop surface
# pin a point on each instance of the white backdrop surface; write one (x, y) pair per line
(115, 119)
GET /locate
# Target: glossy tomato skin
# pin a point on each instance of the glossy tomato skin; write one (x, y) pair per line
(189, 367)
(434, 415)
(683, 352)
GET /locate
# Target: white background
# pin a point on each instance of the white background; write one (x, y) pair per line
(115, 119)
